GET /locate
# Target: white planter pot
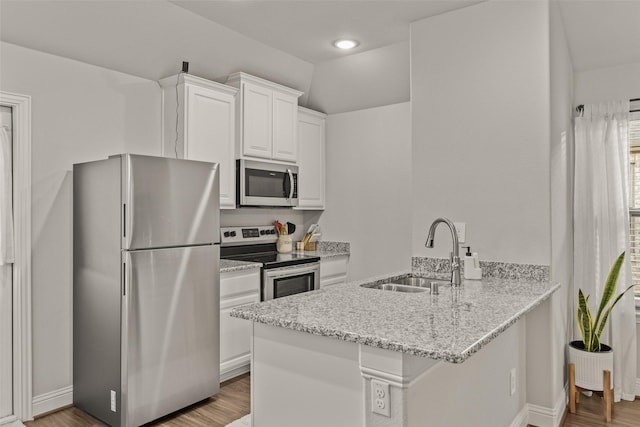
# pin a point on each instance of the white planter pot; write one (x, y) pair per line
(589, 365)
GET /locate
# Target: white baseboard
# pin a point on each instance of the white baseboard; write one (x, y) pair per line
(522, 418)
(53, 400)
(11, 421)
(637, 386)
(232, 373)
(541, 416)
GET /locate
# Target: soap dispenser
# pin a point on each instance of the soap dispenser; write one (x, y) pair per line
(472, 270)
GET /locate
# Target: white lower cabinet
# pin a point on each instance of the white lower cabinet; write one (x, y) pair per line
(236, 288)
(333, 270)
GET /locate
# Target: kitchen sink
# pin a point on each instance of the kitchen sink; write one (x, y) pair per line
(410, 284)
(395, 287)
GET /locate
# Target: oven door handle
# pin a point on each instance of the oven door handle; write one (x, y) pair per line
(292, 271)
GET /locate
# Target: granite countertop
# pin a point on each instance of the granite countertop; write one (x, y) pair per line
(227, 265)
(330, 249)
(450, 326)
(325, 253)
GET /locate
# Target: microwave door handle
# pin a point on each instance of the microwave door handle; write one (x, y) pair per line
(290, 184)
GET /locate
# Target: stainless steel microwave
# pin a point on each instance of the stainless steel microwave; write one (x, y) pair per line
(266, 184)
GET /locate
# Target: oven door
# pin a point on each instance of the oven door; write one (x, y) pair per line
(285, 281)
(266, 184)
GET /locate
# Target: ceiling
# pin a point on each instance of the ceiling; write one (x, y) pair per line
(602, 33)
(306, 29)
(288, 42)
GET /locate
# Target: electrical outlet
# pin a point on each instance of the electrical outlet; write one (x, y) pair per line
(380, 398)
(113, 401)
(461, 228)
(513, 382)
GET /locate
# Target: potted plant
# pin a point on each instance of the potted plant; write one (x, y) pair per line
(589, 356)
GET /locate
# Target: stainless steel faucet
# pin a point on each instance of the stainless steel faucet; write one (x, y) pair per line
(455, 255)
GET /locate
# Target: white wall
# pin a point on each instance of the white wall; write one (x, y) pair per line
(79, 112)
(561, 140)
(368, 188)
(483, 114)
(480, 119)
(607, 84)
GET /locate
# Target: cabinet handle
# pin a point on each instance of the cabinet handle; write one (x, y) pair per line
(291, 183)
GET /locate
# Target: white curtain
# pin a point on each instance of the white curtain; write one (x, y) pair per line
(601, 228)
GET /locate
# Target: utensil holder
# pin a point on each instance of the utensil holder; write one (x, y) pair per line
(284, 243)
(311, 246)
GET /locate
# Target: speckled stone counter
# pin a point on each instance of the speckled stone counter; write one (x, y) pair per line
(450, 326)
(227, 265)
(330, 249)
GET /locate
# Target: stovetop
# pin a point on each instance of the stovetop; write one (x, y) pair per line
(257, 244)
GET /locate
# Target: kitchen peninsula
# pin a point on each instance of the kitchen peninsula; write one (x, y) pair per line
(316, 355)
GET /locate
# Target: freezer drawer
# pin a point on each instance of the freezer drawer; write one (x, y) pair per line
(171, 330)
(169, 202)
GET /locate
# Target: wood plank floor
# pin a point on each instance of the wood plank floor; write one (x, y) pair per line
(589, 413)
(232, 402)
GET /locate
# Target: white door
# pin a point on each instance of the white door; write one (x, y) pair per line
(6, 310)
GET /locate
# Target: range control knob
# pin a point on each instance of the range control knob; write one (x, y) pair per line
(233, 234)
(262, 232)
(272, 231)
(226, 234)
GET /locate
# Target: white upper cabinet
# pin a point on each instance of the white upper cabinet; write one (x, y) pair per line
(257, 118)
(311, 159)
(267, 119)
(285, 127)
(205, 128)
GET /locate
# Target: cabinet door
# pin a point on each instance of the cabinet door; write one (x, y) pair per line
(333, 270)
(285, 127)
(235, 337)
(257, 121)
(210, 135)
(236, 289)
(311, 161)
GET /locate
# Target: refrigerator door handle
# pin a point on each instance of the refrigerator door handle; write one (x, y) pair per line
(127, 203)
(124, 337)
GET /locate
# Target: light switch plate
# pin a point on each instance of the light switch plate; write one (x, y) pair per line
(461, 229)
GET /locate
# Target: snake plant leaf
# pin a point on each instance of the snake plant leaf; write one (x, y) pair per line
(591, 330)
(610, 286)
(584, 319)
(600, 328)
(595, 343)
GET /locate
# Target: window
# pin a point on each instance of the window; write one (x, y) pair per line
(634, 202)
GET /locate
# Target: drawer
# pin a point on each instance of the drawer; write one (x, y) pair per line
(235, 284)
(333, 267)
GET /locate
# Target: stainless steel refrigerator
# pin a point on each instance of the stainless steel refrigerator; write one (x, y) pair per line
(146, 295)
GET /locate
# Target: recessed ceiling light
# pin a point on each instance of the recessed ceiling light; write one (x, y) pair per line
(345, 44)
